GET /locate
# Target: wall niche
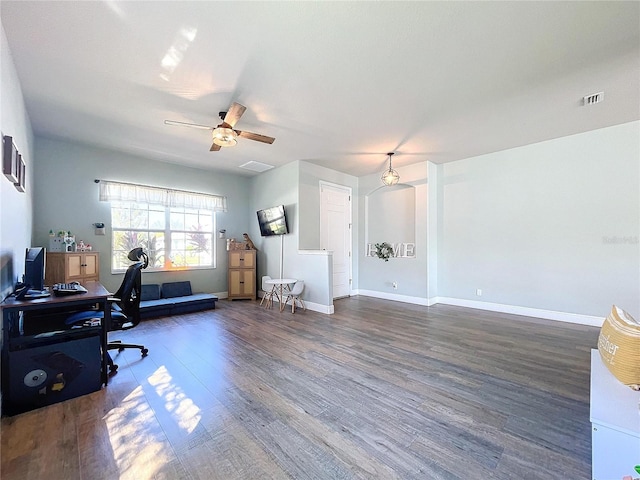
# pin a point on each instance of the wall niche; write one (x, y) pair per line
(390, 216)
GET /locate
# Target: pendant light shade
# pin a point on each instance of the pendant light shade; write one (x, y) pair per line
(390, 176)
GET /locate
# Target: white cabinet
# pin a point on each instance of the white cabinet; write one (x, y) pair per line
(615, 424)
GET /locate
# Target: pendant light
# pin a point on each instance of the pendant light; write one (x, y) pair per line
(390, 176)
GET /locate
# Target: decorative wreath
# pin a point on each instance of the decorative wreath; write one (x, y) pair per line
(384, 251)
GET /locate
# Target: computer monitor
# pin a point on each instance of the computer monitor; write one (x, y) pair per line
(7, 280)
(34, 265)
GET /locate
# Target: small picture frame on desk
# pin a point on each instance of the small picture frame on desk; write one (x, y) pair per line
(10, 161)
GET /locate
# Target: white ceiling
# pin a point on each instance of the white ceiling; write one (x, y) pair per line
(338, 84)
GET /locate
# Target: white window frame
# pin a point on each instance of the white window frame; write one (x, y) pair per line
(167, 231)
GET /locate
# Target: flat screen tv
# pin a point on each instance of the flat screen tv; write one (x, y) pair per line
(34, 265)
(273, 221)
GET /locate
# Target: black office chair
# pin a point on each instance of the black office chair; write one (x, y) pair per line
(125, 306)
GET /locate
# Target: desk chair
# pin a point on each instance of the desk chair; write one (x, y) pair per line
(267, 291)
(125, 307)
(294, 296)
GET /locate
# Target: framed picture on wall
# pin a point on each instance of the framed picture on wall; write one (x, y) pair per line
(10, 165)
(22, 169)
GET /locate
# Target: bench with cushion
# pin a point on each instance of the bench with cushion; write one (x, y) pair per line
(173, 298)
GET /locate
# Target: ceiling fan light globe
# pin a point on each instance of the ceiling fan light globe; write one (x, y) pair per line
(225, 137)
(390, 177)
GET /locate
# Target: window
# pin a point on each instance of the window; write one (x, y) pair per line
(173, 237)
(175, 227)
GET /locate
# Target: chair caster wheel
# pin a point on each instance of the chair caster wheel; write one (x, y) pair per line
(113, 368)
(144, 352)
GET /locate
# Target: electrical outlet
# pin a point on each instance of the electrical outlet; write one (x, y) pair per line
(395, 285)
(479, 292)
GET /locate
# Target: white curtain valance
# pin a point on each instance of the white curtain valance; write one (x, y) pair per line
(129, 192)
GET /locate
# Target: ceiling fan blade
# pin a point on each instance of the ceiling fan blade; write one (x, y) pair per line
(184, 124)
(256, 136)
(233, 115)
(214, 147)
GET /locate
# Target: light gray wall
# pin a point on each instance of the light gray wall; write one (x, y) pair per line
(15, 207)
(552, 226)
(66, 198)
(411, 274)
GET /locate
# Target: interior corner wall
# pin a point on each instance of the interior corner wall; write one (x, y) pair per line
(16, 212)
(552, 226)
(309, 194)
(66, 198)
(278, 186)
(434, 220)
(309, 200)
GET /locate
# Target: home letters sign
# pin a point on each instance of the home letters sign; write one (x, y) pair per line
(399, 250)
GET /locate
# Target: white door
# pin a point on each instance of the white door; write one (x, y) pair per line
(335, 234)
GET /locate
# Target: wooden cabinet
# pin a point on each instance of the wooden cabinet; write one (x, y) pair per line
(72, 267)
(242, 274)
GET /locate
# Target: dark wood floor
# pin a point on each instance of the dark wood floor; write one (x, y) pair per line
(380, 389)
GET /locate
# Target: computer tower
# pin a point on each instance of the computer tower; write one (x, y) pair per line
(48, 370)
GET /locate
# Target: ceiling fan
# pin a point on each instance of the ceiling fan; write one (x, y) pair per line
(224, 135)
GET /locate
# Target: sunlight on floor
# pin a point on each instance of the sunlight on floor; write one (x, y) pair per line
(138, 450)
(140, 445)
(184, 411)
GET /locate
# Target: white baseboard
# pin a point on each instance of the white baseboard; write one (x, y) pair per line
(316, 307)
(221, 295)
(393, 296)
(524, 311)
(493, 307)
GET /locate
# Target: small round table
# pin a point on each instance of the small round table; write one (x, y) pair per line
(279, 287)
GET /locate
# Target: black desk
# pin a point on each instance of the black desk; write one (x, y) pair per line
(13, 341)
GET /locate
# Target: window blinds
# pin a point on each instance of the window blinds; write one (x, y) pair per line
(130, 192)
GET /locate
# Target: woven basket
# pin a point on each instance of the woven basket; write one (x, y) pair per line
(619, 347)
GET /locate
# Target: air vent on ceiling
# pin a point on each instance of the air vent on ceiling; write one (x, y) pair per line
(593, 98)
(256, 166)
